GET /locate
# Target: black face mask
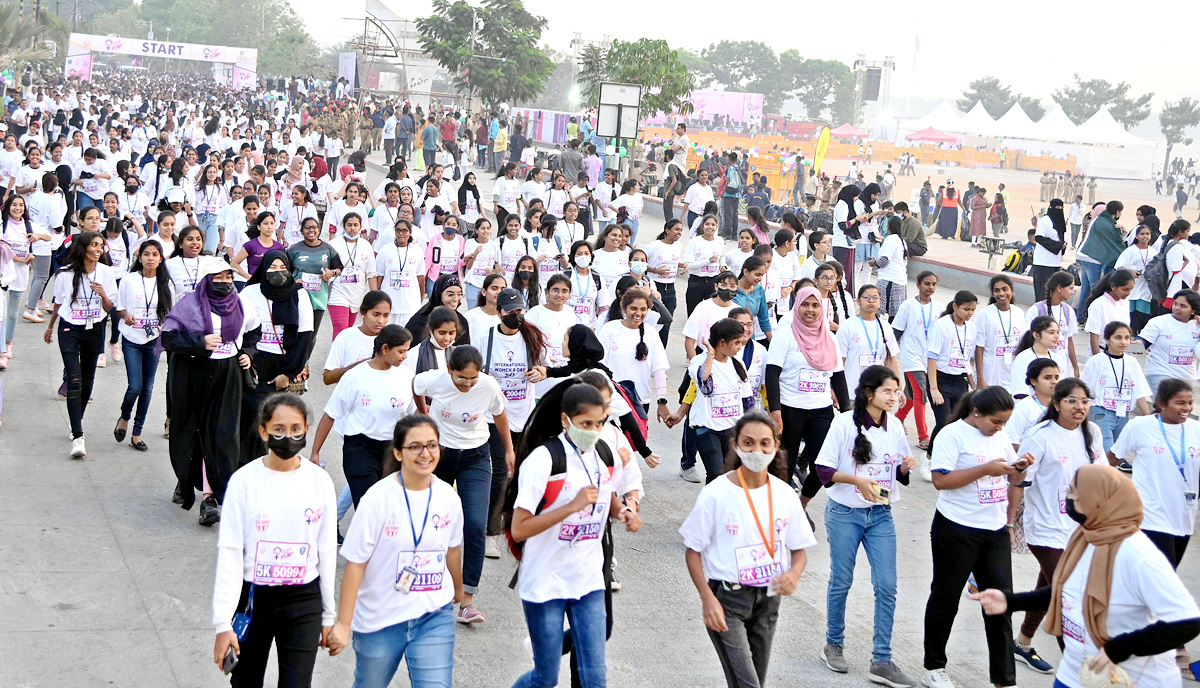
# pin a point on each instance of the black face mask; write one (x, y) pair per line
(277, 278)
(1073, 514)
(131, 190)
(222, 288)
(286, 447)
(726, 294)
(525, 275)
(513, 321)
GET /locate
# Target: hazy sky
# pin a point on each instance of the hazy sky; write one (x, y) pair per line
(1033, 45)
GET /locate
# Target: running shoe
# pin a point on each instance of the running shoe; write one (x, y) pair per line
(210, 513)
(937, 678)
(491, 550)
(834, 658)
(102, 361)
(926, 474)
(78, 450)
(1030, 657)
(691, 475)
(889, 675)
(115, 352)
(469, 615)
(1125, 467)
(33, 317)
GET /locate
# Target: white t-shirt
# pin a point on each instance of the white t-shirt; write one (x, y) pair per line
(889, 446)
(547, 252)
(138, 296)
(277, 528)
(612, 265)
(915, 319)
(588, 300)
(489, 255)
(348, 348)
(1183, 265)
(554, 325)
(1166, 471)
(702, 318)
(291, 216)
(565, 560)
(718, 407)
(272, 334)
(507, 363)
(952, 346)
(698, 255)
(1105, 310)
(401, 268)
(510, 252)
(84, 306)
(697, 196)
(358, 266)
(184, 272)
(1116, 383)
(1027, 413)
(1057, 454)
(506, 192)
(1174, 347)
(734, 259)
(369, 402)
(1042, 257)
(800, 385)
(896, 270)
(660, 254)
(1136, 260)
(381, 536)
(999, 333)
(620, 345)
(460, 416)
(532, 189)
(1145, 590)
(723, 529)
(632, 203)
(863, 345)
(984, 502)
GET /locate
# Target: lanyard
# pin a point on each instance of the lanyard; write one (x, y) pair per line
(769, 543)
(962, 345)
(405, 260)
(146, 296)
(194, 277)
(926, 316)
(88, 292)
(1121, 381)
(583, 293)
(873, 344)
(1181, 457)
(351, 254)
(588, 472)
(412, 524)
(1005, 330)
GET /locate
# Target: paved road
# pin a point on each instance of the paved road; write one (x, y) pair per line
(104, 582)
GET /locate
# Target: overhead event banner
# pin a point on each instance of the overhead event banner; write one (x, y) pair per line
(347, 65)
(742, 108)
(81, 46)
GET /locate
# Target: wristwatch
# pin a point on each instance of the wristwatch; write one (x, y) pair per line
(662, 400)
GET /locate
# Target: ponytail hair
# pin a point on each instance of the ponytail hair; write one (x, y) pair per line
(391, 336)
(961, 298)
(642, 351)
(1034, 371)
(728, 330)
(1039, 325)
(669, 224)
(1061, 391)
(986, 401)
(1057, 281)
(1114, 279)
(871, 379)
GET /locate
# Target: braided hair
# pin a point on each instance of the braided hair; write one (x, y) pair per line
(631, 295)
(871, 380)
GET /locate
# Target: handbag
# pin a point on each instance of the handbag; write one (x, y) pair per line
(1113, 677)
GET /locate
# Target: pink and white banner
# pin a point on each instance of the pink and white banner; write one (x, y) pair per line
(82, 45)
(707, 105)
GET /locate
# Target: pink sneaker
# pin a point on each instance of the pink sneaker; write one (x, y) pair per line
(469, 615)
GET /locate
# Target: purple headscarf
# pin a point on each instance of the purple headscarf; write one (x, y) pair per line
(193, 312)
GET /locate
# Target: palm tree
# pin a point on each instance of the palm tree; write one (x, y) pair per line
(17, 39)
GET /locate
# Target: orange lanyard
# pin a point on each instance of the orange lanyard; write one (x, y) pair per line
(769, 543)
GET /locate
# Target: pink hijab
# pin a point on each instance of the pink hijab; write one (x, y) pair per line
(814, 340)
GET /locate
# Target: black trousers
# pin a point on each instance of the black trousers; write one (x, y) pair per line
(712, 445)
(810, 427)
(1040, 274)
(952, 388)
(362, 462)
(667, 290)
(745, 649)
(698, 289)
(959, 551)
(80, 347)
(289, 616)
(495, 524)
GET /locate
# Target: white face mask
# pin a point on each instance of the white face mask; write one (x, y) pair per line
(583, 261)
(755, 462)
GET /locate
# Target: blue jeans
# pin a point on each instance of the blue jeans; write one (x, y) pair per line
(83, 200)
(471, 471)
(1089, 275)
(141, 365)
(470, 294)
(545, 622)
(428, 642)
(1110, 424)
(208, 225)
(633, 225)
(874, 529)
(12, 310)
(345, 500)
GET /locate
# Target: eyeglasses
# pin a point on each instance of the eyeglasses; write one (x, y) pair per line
(869, 299)
(433, 448)
(827, 278)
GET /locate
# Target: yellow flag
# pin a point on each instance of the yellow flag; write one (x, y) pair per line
(822, 147)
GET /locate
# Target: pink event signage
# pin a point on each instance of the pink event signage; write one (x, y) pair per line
(738, 106)
(82, 45)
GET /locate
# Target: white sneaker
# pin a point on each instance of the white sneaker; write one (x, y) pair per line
(937, 678)
(78, 451)
(102, 361)
(926, 474)
(491, 550)
(115, 352)
(690, 474)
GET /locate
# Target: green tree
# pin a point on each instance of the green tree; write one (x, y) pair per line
(749, 66)
(821, 85)
(697, 65)
(16, 39)
(997, 98)
(557, 95)
(1085, 99)
(506, 63)
(652, 64)
(1175, 120)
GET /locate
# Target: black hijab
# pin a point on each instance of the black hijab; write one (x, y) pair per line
(284, 300)
(586, 352)
(1055, 213)
(847, 196)
(417, 324)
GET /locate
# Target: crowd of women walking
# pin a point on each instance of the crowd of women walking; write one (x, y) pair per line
(510, 369)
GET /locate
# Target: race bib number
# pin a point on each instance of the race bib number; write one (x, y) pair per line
(399, 280)
(814, 381)
(726, 405)
(351, 275)
(993, 489)
(1062, 498)
(85, 313)
(450, 268)
(710, 269)
(293, 236)
(280, 563)
(144, 322)
(755, 565)
(881, 473)
(579, 532)
(310, 281)
(867, 360)
(21, 250)
(1180, 355)
(224, 349)
(1118, 400)
(430, 568)
(508, 198)
(1072, 620)
(581, 307)
(514, 388)
(1005, 353)
(270, 335)
(957, 363)
(117, 258)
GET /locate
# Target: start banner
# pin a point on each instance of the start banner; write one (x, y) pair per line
(82, 45)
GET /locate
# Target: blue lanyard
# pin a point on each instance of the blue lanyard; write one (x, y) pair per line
(1121, 380)
(588, 472)
(925, 317)
(416, 538)
(583, 293)
(873, 344)
(1181, 457)
(962, 345)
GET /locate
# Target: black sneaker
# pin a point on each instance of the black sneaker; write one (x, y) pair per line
(1031, 658)
(1125, 467)
(177, 498)
(210, 513)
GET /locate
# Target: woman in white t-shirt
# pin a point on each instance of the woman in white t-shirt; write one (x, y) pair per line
(1165, 453)
(628, 207)
(1117, 383)
(570, 229)
(732, 260)
(365, 407)
(862, 462)
(1039, 341)
(1108, 303)
(355, 278)
(511, 245)
(1056, 447)
(1172, 340)
(973, 461)
(1182, 263)
(604, 195)
(867, 340)
(276, 555)
(391, 549)
(611, 259)
(702, 256)
(590, 297)
(1000, 325)
(18, 233)
(143, 301)
(1049, 247)
(634, 358)
(480, 258)
(720, 380)
(553, 317)
(662, 261)
(483, 314)
(558, 196)
(951, 345)
(549, 257)
(293, 214)
(461, 397)
(892, 263)
(741, 572)
(1115, 602)
(911, 325)
(355, 344)
(1135, 259)
(401, 268)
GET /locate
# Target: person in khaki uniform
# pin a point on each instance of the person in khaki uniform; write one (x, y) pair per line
(1045, 187)
(365, 127)
(1091, 189)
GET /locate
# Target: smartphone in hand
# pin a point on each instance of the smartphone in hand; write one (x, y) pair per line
(230, 661)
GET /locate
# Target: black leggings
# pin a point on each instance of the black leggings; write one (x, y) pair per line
(289, 616)
(667, 290)
(699, 288)
(809, 426)
(1173, 546)
(495, 524)
(952, 388)
(80, 347)
(362, 463)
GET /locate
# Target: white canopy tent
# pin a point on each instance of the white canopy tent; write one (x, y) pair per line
(943, 118)
(977, 122)
(1015, 124)
(1056, 126)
